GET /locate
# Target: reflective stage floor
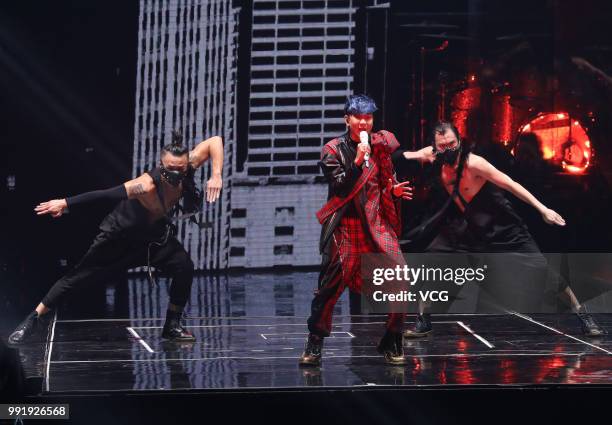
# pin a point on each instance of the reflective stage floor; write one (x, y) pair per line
(251, 329)
(260, 352)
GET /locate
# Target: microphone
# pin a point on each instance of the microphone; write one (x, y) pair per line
(363, 138)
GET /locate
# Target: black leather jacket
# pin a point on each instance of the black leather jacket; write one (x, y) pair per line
(341, 173)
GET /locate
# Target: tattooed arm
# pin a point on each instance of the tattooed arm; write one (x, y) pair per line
(129, 190)
(139, 186)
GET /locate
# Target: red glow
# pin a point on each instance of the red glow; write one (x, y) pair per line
(564, 142)
(442, 377)
(463, 372)
(503, 117)
(549, 368)
(462, 104)
(507, 368)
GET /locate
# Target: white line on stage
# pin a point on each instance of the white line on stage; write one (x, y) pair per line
(250, 317)
(278, 324)
(529, 319)
(139, 339)
(481, 339)
(50, 352)
(456, 355)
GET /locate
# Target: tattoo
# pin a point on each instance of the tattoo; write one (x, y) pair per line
(136, 189)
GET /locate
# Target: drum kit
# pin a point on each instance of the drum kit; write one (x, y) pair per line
(563, 138)
(515, 104)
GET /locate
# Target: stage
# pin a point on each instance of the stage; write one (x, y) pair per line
(252, 103)
(261, 353)
(251, 330)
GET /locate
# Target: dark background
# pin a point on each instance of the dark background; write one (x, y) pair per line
(67, 77)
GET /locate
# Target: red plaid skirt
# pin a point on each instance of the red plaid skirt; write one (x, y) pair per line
(350, 242)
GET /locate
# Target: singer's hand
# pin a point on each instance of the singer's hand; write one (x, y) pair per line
(362, 150)
(401, 190)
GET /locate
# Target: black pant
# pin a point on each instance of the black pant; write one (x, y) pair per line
(517, 281)
(109, 255)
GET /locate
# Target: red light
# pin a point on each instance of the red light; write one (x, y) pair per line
(563, 141)
(463, 103)
(503, 120)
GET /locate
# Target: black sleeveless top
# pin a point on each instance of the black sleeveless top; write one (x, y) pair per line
(492, 221)
(131, 218)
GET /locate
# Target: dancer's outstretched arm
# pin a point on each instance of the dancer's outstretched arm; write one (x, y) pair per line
(422, 155)
(487, 171)
(129, 190)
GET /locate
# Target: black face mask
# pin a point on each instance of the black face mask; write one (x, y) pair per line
(175, 178)
(448, 156)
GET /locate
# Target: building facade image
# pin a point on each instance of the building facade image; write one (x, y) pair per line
(301, 70)
(301, 63)
(186, 80)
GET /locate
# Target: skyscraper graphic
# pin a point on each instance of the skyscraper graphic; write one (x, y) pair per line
(301, 73)
(302, 60)
(186, 80)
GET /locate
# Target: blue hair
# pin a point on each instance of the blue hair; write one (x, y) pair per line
(359, 104)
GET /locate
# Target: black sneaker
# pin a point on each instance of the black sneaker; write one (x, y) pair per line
(422, 327)
(312, 351)
(174, 331)
(588, 323)
(25, 329)
(391, 346)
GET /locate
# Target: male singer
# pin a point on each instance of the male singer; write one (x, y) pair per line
(359, 217)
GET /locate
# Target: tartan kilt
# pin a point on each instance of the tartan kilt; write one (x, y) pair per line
(351, 241)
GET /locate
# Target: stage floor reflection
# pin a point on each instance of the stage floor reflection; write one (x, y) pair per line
(251, 329)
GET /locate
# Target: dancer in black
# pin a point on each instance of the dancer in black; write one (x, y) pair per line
(139, 231)
(477, 217)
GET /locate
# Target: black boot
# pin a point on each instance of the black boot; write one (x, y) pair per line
(173, 330)
(391, 346)
(588, 323)
(25, 329)
(422, 327)
(312, 351)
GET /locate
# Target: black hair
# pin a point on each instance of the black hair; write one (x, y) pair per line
(176, 147)
(192, 196)
(465, 149)
(440, 128)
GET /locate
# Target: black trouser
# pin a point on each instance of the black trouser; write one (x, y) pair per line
(109, 255)
(527, 261)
